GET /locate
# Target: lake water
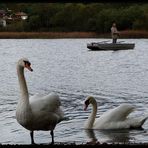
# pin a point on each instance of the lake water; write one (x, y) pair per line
(67, 67)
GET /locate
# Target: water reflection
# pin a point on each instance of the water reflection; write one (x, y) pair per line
(108, 136)
(74, 73)
(91, 135)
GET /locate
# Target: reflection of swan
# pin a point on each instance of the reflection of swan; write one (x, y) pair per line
(113, 119)
(91, 135)
(37, 112)
(116, 136)
(119, 136)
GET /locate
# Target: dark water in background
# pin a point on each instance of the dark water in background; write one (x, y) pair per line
(67, 67)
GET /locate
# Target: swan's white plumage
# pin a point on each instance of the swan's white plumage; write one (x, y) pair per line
(46, 111)
(37, 112)
(49, 103)
(116, 118)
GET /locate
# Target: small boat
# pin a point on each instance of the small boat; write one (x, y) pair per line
(110, 46)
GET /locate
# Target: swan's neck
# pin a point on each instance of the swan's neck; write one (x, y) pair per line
(23, 85)
(91, 118)
(23, 110)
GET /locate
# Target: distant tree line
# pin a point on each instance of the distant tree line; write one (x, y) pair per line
(97, 17)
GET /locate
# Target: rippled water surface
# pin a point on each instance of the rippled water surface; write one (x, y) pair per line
(67, 67)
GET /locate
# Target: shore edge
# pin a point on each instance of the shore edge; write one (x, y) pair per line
(59, 35)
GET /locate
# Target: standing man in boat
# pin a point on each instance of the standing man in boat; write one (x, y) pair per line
(114, 32)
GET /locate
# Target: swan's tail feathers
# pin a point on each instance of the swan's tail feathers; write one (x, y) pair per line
(138, 122)
(64, 119)
(143, 120)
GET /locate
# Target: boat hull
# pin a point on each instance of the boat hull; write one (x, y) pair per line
(110, 46)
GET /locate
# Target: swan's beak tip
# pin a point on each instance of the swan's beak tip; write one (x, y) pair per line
(30, 69)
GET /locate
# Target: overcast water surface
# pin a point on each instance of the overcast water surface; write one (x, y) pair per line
(67, 67)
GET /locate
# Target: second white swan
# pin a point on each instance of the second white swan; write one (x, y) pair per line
(116, 118)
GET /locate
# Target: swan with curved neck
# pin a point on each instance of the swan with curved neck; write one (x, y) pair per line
(116, 118)
(36, 112)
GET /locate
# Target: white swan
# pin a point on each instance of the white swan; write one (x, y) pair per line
(36, 112)
(112, 119)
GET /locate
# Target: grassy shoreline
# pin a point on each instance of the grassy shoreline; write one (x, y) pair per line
(56, 35)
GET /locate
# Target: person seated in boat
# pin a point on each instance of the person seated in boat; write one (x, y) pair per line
(114, 32)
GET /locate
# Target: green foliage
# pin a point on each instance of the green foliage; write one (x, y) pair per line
(96, 17)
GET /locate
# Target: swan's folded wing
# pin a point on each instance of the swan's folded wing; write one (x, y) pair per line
(49, 103)
(119, 113)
